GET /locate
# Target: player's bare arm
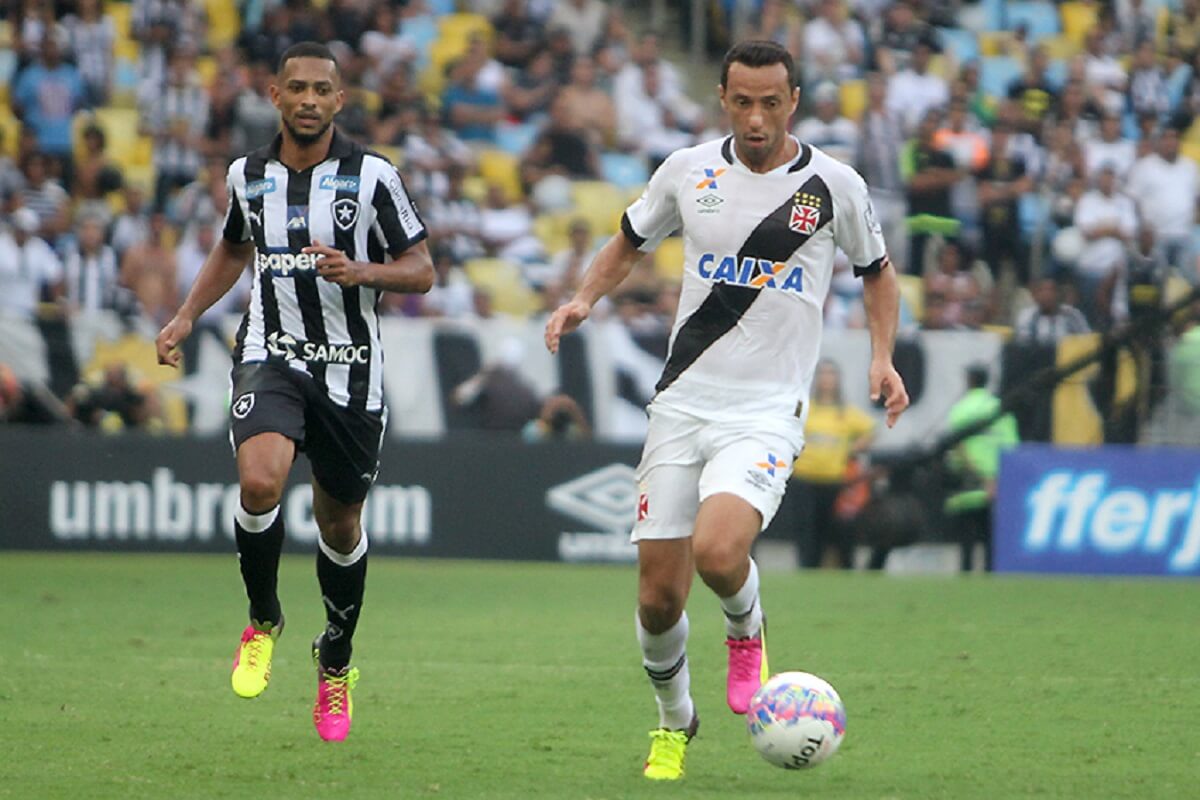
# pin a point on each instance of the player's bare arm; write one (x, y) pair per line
(881, 296)
(411, 272)
(612, 265)
(220, 272)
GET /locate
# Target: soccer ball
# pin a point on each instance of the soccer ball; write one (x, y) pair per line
(796, 720)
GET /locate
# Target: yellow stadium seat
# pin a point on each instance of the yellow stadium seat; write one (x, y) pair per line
(224, 24)
(11, 126)
(391, 153)
(120, 125)
(1077, 19)
(668, 259)
(502, 280)
(1060, 48)
(371, 101)
(853, 98)
(138, 354)
(501, 169)
(206, 69)
(127, 50)
(994, 43)
(121, 15)
(461, 27)
(1190, 149)
(912, 290)
(600, 203)
(551, 230)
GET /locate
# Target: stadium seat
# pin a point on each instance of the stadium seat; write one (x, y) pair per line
(224, 22)
(120, 125)
(1177, 85)
(1190, 148)
(121, 15)
(1077, 19)
(8, 68)
(994, 43)
(668, 259)
(551, 230)
(624, 171)
(206, 70)
(997, 73)
(11, 126)
(461, 27)
(503, 281)
(993, 11)
(516, 137)
(601, 203)
(1057, 73)
(852, 96)
(1038, 16)
(501, 169)
(139, 356)
(1060, 48)
(963, 45)
(912, 291)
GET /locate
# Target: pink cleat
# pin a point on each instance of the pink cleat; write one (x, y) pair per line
(333, 707)
(747, 670)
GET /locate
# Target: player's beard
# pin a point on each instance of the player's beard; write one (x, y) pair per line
(306, 138)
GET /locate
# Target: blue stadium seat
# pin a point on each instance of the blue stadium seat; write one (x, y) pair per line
(1057, 73)
(1038, 16)
(1177, 84)
(996, 74)
(1033, 211)
(624, 170)
(516, 138)
(963, 44)
(440, 8)
(993, 15)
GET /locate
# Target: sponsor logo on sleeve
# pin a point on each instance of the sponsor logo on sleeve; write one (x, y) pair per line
(259, 188)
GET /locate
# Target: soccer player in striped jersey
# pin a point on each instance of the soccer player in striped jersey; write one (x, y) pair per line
(762, 215)
(328, 226)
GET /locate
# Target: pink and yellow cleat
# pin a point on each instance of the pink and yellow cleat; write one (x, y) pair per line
(747, 669)
(252, 659)
(333, 707)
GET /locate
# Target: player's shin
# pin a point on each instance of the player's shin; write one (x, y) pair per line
(664, 655)
(743, 609)
(342, 577)
(259, 541)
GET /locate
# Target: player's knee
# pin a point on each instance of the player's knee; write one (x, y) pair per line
(260, 491)
(660, 607)
(717, 558)
(340, 532)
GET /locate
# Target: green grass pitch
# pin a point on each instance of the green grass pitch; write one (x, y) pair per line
(523, 681)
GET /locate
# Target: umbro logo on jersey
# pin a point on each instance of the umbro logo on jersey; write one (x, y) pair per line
(710, 178)
(259, 188)
(340, 183)
(726, 269)
(297, 218)
(345, 213)
(709, 203)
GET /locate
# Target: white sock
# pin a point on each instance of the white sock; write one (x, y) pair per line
(743, 611)
(255, 523)
(664, 655)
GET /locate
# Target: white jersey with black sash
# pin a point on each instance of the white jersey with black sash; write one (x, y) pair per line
(758, 257)
(354, 201)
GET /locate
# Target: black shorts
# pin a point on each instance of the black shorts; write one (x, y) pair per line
(342, 444)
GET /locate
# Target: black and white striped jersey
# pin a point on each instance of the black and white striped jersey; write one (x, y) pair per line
(353, 201)
(758, 253)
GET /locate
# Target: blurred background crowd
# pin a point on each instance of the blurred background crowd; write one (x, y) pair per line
(1032, 162)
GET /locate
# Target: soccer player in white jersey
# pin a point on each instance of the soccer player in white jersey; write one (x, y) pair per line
(329, 226)
(761, 215)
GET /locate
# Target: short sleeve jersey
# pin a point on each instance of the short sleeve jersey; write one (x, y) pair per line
(758, 257)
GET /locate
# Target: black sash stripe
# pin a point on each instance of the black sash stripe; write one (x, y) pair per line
(772, 240)
(308, 297)
(356, 324)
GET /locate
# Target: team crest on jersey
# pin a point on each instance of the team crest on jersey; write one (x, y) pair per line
(806, 213)
(345, 213)
(243, 405)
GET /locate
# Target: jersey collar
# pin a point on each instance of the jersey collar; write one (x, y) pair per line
(340, 146)
(802, 158)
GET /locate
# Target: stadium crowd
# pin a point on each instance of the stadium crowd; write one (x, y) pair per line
(1032, 163)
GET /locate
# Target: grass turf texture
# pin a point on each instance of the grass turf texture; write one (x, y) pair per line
(523, 681)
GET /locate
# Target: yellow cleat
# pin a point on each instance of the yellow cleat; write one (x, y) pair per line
(252, 661)
(667, 751)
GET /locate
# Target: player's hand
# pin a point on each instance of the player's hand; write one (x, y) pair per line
(169, 338)
(565, 319)
(333, 266)
(887, 383)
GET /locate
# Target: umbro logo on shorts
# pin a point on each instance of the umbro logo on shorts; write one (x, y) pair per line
(243, 405)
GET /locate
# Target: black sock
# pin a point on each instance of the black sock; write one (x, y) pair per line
(342, 593)
(258, 556)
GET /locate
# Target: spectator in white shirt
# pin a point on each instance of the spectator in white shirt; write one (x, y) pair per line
(1110, 149)
(645, 52)
(1108, 222)
(653, 121)
(915, 91)
(826, 128)
(583, 20)
(1103, 74)
(29, 269)
(1165, 187)
(834, 44)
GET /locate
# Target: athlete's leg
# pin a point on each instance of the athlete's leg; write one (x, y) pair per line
(341, 571)
(263, 462)
(664, 580)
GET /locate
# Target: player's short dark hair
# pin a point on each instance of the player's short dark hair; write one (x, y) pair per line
(307, 50)
(758, 53)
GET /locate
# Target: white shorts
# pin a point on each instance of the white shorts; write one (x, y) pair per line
(686, 460)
